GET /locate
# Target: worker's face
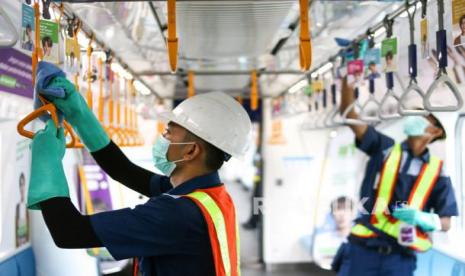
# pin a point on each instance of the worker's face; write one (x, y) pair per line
(188, 152)
(343, 217)
(419, 143)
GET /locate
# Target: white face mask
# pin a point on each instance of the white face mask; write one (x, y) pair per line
(416, 126)
(160, 158)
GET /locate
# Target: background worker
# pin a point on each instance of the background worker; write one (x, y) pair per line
(396, 173)
(188, 226)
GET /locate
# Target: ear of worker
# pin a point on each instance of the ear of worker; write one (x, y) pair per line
(72, 105)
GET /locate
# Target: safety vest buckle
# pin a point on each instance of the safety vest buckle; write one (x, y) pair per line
(385, 249)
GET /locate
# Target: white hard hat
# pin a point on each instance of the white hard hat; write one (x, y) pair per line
(217, 119)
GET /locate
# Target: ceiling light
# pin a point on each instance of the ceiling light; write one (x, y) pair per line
(379, 32)
(296, 87)
(141, 88)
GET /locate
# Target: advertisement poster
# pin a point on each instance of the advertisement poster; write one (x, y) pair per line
(15, 162)
(389, 54)
(95, 190)
(49, 41)
(317, 85)
(355, 68)
(15, 73)
(458, 22)
(96, 184)
(22, 168)
(27, 28)
(424, 42)
(72, 53)
(372, 61)
(338, 198)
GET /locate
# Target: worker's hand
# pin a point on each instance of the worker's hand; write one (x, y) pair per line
(73, 104)
(78, 114)
(426, 221)
(47, 175)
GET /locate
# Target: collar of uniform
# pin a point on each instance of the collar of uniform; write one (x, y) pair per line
(200, 182)
(424, 157)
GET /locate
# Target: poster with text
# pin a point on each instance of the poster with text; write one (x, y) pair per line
(389, 54)
(49, 41)
(458, 22)
(27, 28)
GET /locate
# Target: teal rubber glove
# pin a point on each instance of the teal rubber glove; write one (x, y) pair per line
(48, 178)
(426, 221)
(78, 114)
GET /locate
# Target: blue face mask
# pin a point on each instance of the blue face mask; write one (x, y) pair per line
(415, 126)
(160, 158)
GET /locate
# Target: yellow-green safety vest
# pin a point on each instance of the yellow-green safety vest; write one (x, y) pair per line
(381, 219)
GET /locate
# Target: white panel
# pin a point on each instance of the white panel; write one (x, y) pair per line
(289, 207)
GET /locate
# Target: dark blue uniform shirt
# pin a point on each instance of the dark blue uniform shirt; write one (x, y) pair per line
(378, 146)
(168, 234)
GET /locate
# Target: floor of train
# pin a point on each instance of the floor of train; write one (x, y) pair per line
(249, 245)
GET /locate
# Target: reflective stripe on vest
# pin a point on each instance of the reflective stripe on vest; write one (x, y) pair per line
(214, 211)
(417, 199)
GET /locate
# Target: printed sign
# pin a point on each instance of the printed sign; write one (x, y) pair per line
(73, 53)
(355, 67)
(317, 85)
(389, 54)
(424, 38)
(49, 41)
(276, 133)
(27, 28)
(372, 61)
(458, 22)
(15, 72)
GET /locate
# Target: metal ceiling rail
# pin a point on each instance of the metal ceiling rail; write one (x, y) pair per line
(219, 73)
(96, 1)
(85, 28)
(373, 29)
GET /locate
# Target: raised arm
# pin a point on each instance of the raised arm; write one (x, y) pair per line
(347, 98)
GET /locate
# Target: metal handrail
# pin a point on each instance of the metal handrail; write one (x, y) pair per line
(442, 77)
(6, 43)
(412, 66)
(355, 104)
(389, 94)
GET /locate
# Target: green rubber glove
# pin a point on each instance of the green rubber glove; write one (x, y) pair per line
(426, 221)
(78, 114)
(48, 178)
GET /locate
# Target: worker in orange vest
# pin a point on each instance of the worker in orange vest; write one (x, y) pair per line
(188, 226)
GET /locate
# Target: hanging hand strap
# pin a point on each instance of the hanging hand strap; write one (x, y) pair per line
(442, 77)
(305, 48)
(172, 38)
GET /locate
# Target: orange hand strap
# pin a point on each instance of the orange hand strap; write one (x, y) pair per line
(254, 91)
(101, 107)
(191, 87)
(305, 47)
(110, 101)
(89, 73)
(47, 108)
(172, 39)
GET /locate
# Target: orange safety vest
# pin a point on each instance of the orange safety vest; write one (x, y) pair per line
(218, 210)
(381, 219)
